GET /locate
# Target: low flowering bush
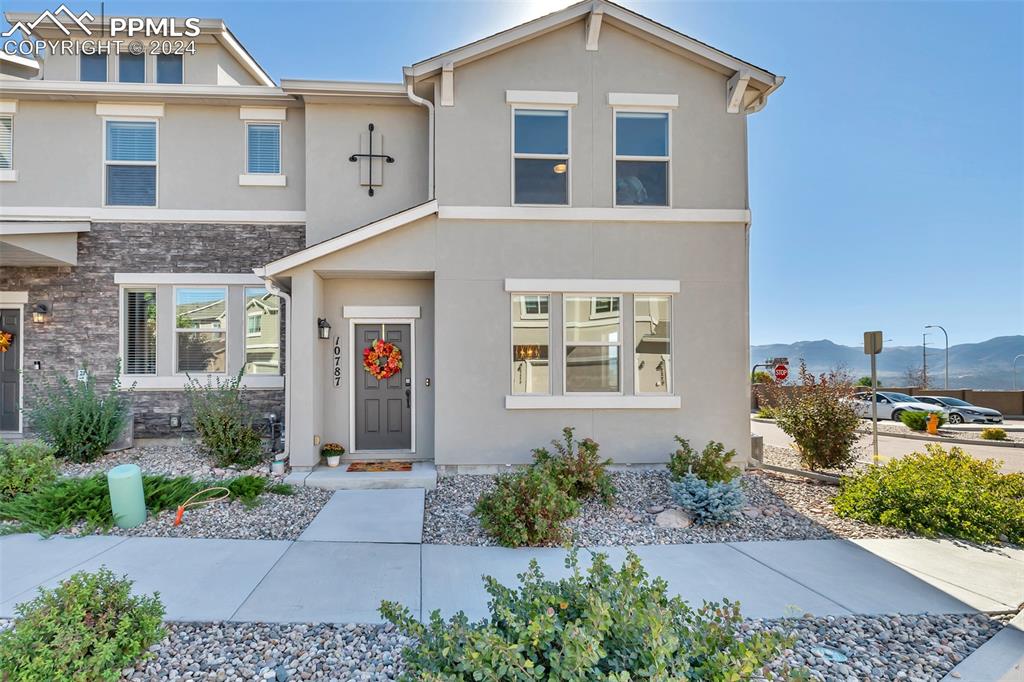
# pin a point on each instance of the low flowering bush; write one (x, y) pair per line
(993, 433)
(938, 493)
(25, 467)
(224, 421)
(708, 503)
(615, 625)
(918, 421)
(526, 508)
(576, 467)
(85, 630)
(711, 465)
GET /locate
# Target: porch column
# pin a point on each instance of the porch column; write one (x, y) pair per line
(305, 371)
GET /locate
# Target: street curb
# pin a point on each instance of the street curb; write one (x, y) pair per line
(824, 478)
(955, 441)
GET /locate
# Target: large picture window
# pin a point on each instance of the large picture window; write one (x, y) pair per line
(130, 160)
(531, 334)
(540, 156)
(262, 332)
(642, 158)
(139, 328)
(201, 325)
(593, 344)
(652, 333)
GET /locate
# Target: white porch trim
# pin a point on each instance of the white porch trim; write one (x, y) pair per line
(150, 215)
(354, 361)
(153, 278)
(592, 402)
(13, 297)
(387, 312)
(568, 213)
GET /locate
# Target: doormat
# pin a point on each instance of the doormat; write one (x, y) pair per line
(377, 467)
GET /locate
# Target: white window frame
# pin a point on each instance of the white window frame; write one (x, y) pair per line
(669, 379)
(122, 350)
(222, 329)
(155, 163)
(628, 157)
(117, 68)
(10, 174)
(567, 157)
(280, 148)
(596, 344)
(596, 314)
(512, 340)
(249, 334)
(523, 314)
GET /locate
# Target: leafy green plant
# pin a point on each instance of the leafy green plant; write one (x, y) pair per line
(223, 421)
(86, 629)
(247, 489)
(607, 624)
(993, 433)
(526, 508)
(938, 493)
(866, 382)
(24, 467)
(576, 467)
(708, 502)
(76, 419)
(711, 464)
(762, 377)
(332, 449)
(820, 417)
(918, 421)
(766, 412)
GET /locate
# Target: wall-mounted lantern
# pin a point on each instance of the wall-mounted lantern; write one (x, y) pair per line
(323, 328)
(39, 312)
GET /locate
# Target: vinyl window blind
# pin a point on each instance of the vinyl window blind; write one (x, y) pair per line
(140, 331)
(263, 148)
(6, 142)
(131, 162)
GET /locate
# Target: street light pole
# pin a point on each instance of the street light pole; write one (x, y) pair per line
(1015, 359)
(939, 326)
(924, 360)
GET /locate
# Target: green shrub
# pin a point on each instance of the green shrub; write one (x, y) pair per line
(526, 508)
(938, 493)
(78, 421)
(708, 502)
(608, 624)
(918, 421)
(820, 418)
(993, 433)
(711, 465)
(576, 468)
(247, 489)
(224, 421)
(766, 412)
(85, 630)
(24, 467)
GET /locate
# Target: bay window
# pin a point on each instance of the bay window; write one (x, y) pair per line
(201, 325)
(531, 334)
(593, 343)
(652, 334)
(642, 156)
(540, 156)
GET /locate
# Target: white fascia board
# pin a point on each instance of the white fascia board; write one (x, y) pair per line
(85, 90)
(19, 60)
(231, 44)
(177, 382)
(595, 286)
(41, 227)
(356, 236)
(637, 99)
(125, 109)
(262, 113)
(8, 106)
(151, 215)
(591, 402)
(541, 97)
(381, 312)
(185, 278)
(262, 180)
(621, 214)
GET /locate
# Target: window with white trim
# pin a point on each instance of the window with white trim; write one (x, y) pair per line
(131, 68)
(130, 163)
(6, 142)
(540, 156)
(139, 329)
(262, 332)
(531, 341)
(201, 325)
(170, 69)
(593, 343)
(262, 148)
(652, 334)
(92, 67)
(642, 157)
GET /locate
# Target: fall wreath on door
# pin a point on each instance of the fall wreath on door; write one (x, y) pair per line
(382, 359)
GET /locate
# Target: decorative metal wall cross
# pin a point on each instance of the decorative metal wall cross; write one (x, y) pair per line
(370, 157)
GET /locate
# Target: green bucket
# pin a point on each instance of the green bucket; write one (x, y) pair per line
(127, 501)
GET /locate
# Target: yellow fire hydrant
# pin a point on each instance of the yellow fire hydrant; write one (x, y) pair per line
(933, 424)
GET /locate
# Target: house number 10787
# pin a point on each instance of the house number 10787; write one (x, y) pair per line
(337, 360)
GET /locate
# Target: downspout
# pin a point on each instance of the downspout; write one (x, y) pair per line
(416, 99)
(272, 288)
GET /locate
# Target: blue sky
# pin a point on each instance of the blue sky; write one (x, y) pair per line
(886, 176)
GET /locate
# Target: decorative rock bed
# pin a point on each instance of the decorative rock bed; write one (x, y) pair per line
(171, 460)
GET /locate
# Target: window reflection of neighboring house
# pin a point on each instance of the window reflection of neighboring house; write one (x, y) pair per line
(198, 316)
(530, 340)
(262, 334)
(651, 334)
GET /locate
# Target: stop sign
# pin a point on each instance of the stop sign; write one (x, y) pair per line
(781, 372)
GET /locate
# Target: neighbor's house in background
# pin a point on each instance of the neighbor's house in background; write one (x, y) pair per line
(550, 224)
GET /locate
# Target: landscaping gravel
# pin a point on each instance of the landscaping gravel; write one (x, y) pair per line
(966, 434)
(787, 457)
(183, 459)
(778, 508)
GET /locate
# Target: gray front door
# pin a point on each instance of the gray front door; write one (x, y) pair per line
(10, 369)
(383, 408)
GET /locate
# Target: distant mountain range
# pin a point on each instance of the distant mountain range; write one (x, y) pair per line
(971, 365)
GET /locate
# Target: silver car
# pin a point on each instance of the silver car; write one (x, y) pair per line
(891, 405)
(961, 411)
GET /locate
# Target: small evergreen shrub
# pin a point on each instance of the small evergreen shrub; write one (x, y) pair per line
(766, 412)
(85, 630)
(993, 433)
(24, 467)
(938, 493)
(711, 465)
(526, 508)
(614, 625)
(918, 421)
(224, 421)
(77, 420)
(708, 503)
(576, 467)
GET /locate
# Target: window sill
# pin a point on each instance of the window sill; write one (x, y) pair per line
(8, 176)
(592, 402)
(259, 180)
(177, 383)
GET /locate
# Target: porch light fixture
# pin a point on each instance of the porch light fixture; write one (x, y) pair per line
(560, 168)
(323, 328)
(39, 312)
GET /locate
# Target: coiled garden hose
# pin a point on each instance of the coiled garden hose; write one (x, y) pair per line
(193, 502)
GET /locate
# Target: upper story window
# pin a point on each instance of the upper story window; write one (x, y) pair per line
(642, 156)
(6, 143)
(130, 161)
(540, 156)
(170, 68)
(263, 148)
(93, 67)
(131, 68)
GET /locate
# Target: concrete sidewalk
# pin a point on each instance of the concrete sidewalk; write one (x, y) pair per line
(330, 581)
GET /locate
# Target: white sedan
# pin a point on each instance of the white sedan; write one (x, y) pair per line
(891, 405)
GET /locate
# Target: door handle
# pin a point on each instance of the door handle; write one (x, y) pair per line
(408, 397)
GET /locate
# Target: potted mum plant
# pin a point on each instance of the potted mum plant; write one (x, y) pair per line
(332, 452)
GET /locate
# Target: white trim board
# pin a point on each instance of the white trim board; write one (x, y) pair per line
(623, 214)
(353, 365)
(30, 227)
(593, 286)
(541, 97)
(636, 99)
(8, 106)
(263, 113)
(118, 109)
(13, 297)
(151, 215)
(154, 278)
(262, 180)
(386, 312)
(592, 402)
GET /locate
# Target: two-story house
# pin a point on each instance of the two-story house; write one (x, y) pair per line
(548, 227)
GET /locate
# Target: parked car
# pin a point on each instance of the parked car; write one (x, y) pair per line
(961, 411)
(891, 405)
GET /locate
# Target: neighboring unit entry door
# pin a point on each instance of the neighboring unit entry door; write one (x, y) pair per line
(10, 370)
(383, 409)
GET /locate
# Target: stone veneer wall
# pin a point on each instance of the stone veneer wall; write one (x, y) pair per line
(82, 329)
